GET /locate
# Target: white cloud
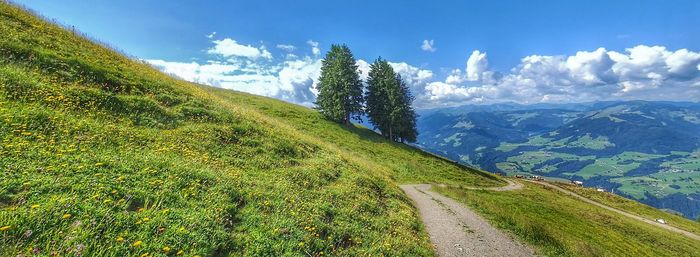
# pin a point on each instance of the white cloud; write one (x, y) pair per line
(363, 69)
(210, 36)
(414, 77)
(288, 48)
(248, 69)
(293, 81)
(641, 72)
(314, 47)
(476, 65)
(428, 46)
(230, 48)
(684, 63)
(591, 68)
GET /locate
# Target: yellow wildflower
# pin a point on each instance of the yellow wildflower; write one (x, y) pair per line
(119, 239)
(35, 206)
(166, 249)
(67, 215)
(5, 228)
(137, 243)
(180, 252)
(144, 255)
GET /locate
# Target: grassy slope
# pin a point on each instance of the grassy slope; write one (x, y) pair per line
(563, 226)
(635, 207)
(103, 155)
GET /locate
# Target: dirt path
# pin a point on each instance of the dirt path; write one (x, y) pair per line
(457, 231)
(630, 215)
(512, 185)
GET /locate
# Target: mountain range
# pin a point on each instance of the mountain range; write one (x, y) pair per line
(644, 150)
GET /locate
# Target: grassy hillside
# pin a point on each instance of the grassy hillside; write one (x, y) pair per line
(561, 225)
(104, 155)
(635, 207)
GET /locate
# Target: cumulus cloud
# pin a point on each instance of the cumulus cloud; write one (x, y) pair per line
(641, 72)
(428, 46)
(476, 65)
(293, 80)
(414, 77)
(230, 48)
(210, 36)
(249, 69)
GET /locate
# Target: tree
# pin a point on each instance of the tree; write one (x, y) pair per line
(406, 126)
(388, 101)
(378, 108)
(339, 87)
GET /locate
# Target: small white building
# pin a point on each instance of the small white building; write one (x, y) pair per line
(600, 190)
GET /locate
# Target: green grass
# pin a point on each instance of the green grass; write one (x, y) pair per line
(660, 184)
(586, 141)
(617, 165)
(560, 225)
(102, 155)
(635, 207)
(526, 161)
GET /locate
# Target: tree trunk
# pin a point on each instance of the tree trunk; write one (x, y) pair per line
(391, 133)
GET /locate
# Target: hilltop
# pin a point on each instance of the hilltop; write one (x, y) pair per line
(103, 155)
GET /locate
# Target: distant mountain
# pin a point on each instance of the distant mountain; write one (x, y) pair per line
(648, 151)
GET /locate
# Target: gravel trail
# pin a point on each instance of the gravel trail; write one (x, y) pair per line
(457, 231)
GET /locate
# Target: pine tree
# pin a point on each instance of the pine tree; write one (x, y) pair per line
(407, 115)
(378, 108)
(389, 103)
(340, 88)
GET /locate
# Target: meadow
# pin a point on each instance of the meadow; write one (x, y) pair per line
(102, 154)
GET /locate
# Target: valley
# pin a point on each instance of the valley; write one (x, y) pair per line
(647, 151)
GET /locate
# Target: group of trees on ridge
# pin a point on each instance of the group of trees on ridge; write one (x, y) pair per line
(386, 101)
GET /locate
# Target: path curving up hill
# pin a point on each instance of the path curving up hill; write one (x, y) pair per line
(457, 231)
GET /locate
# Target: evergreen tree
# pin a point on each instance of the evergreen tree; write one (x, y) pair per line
(407, 115)
(340, 88)
(389, 103)
(378, 108)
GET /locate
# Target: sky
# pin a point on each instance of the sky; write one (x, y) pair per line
(450, 52)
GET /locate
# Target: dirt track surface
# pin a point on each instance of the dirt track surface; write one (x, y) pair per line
(457, 231)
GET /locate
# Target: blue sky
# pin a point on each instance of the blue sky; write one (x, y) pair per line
(173, 35)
